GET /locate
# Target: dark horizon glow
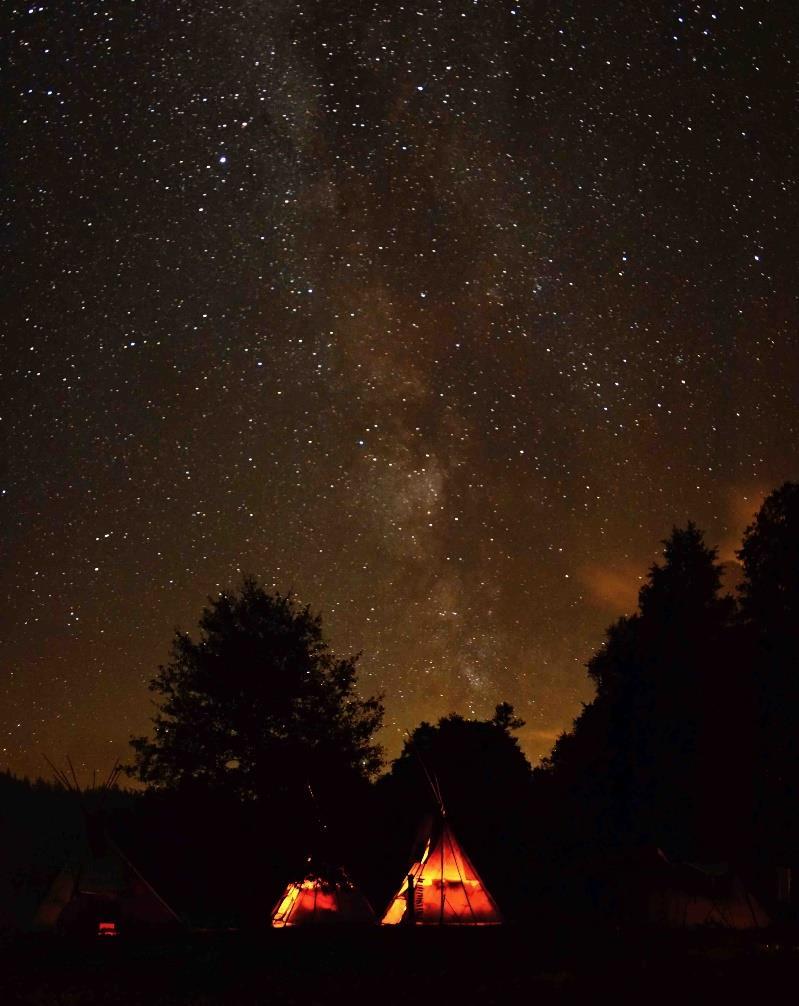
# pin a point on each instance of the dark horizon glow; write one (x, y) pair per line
(440, 317)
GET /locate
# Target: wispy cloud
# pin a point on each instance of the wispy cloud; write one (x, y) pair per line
(612, 587)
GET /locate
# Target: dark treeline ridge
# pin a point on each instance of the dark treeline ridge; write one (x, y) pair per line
(263, 754)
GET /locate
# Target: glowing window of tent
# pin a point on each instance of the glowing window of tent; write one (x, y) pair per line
(107, 929)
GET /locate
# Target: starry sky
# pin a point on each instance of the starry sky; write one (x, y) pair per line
(439, 314)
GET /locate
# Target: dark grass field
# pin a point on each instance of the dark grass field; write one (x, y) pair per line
(506, 965)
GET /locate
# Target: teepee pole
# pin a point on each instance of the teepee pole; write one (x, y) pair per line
(60, 775)
(74, 776)
(433, 785)
(441, 914)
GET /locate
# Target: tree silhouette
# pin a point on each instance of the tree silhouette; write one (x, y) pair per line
(651, 756)
(770, 559)
(770, 609)
(253, 713)
(258, 704)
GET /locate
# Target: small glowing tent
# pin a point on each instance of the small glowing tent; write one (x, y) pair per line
(322, 900)
(100, 892)
(326, 894)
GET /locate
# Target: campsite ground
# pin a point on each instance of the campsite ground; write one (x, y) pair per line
(485, 966)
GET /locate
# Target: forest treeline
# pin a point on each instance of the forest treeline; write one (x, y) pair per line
(263, 753)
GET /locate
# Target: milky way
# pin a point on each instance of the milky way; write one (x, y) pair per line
(438, 315)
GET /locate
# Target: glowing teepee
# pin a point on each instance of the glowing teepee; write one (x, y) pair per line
(325, 896)
(442, 888)
(317, 900)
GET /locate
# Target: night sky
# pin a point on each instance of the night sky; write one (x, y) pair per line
(440, 315)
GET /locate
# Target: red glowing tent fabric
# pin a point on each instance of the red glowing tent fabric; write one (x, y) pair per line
(443, 888)
(315, 901)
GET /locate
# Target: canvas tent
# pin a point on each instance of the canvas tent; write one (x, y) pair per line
(442, 888)
(100, 892)
(691, 895)
(103, 894)
(648, 886)
(322, 900)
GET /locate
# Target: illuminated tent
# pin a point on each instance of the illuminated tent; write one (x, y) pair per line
(318, 900)
(443, 888)
(326, 894)
(100, 892)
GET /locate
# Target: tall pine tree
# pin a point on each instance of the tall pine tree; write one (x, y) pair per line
(652, 757)
(770, 609)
